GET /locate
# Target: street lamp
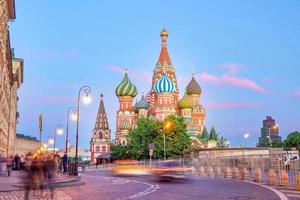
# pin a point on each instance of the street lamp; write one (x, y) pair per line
(73, 117)
(86, 100)
(166, 127)
(50, 141)
(58, 131)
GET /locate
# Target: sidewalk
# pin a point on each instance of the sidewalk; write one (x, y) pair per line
(16, 181)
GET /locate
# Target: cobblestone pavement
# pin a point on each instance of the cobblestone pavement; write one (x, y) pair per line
(102, 186)
(38, 195)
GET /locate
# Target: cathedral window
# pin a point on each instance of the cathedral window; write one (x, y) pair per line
(97, 148)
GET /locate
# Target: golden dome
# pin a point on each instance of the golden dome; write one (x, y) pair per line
(164, 32)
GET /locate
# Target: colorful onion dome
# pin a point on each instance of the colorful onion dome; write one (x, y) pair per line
(185, 102)
(164, 32)
(164, 84)
(142, 104)
(193, 87)
(126, 88)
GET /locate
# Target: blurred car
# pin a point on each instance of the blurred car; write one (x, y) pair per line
(129, 168)
(171, 169)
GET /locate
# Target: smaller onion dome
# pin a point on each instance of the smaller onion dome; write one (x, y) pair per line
(142, 104)
(164, 84)
(185, 102)
(164, 32)
(126, 88)
(193, 87)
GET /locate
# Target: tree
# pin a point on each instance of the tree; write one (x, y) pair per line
(276, 144)
(292, 140)
(119, 152)
(139, 139)
(213, 134)
(205, 133)
(222, 142)
(152, 131)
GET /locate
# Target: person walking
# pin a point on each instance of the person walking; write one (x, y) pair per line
(9, 164)
(2, 165)
(65, 163)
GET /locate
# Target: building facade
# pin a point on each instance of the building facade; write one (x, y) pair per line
(101, 136)
(11, 76)
(25, 144)
(269, 132)
(161, 101)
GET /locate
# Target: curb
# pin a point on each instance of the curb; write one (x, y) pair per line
(68, 182)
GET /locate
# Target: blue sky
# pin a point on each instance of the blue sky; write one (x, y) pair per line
(245, 55)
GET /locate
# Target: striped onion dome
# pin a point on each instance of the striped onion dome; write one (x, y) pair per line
(126, 88)
(164, 84)
(142, 104)
(185, 102)
(193, 87)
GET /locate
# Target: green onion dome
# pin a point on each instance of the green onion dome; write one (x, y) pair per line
(142, 104)
(193, 87)
(126, 88)
(185, 102)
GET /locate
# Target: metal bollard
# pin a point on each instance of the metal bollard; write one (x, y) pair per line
(297, 183)
(257, 175)
(284, 178)
(272, 177)
(201, 171)
(245, 174)
(227, 173)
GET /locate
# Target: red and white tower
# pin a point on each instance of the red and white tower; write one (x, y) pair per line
(101, 138)
(163, 66)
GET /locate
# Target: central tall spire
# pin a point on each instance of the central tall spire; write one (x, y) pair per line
(164, 60)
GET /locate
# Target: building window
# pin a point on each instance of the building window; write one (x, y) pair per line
(97, 148)
(103, 149)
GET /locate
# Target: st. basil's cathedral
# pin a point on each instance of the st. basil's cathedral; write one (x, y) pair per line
(161, 101)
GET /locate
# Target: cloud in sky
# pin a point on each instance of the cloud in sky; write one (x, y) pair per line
(230, 78)
(232, 105)
(297, 93)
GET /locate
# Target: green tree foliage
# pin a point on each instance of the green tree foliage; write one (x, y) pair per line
(213, 134)
(119, 152)
(276, 144)
(151, 131)
(205, 133)
(222, 142)
(292, 140)
(139, 139)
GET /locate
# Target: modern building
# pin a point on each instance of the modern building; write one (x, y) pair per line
(269, 132)
(161, 101)
(11, 77)
(101, 137)
(25, 144)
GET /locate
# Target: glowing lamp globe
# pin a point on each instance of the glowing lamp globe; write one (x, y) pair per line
(74, 116)
(87, 99)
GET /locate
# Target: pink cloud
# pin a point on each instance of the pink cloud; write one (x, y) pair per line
(230, 78)
(232, 105)
(297, 93)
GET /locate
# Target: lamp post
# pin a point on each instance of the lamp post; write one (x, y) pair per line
(166, 127)
(58, 131)
(74, 109)
(86, 100)
(50, 142)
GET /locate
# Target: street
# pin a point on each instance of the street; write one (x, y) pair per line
(101, 185)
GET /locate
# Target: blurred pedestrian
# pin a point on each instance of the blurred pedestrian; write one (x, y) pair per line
(17, 162)
(9, 164)
(2, 165)
(22, 166)
(65, 163)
